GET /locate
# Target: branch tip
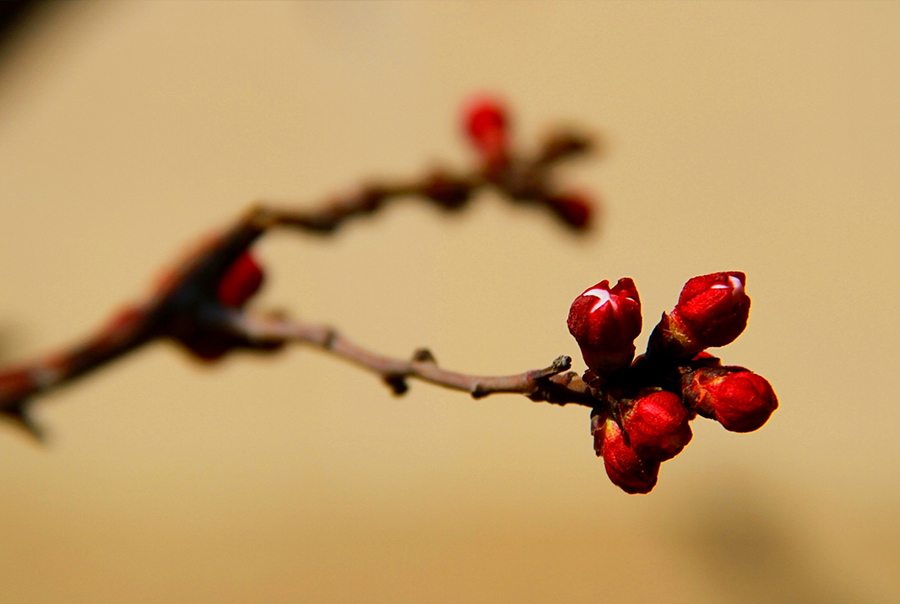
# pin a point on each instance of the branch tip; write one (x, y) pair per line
(560, 364)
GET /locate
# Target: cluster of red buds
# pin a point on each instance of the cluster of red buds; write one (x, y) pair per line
(644, 404)
(488, 128)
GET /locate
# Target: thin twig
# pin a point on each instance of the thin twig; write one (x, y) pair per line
(545, 384)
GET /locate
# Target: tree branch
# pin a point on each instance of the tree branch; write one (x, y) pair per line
(185, 306)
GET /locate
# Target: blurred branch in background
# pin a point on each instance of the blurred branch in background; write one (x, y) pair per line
(200, 303)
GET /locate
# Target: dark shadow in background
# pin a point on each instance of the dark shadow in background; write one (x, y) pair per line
(15, 16)
(749, 549)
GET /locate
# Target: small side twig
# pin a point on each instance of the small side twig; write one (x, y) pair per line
(544, 384)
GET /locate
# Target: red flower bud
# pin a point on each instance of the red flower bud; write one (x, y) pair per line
(487, 128)
(711, 311)
(625, 468)
(657, 425)
(737, 398)
(605, 323)
(715, 307)
(242, 279)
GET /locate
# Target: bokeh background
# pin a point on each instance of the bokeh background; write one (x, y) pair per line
(762, 137)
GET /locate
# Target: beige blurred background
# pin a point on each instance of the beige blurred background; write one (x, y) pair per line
(762, 137)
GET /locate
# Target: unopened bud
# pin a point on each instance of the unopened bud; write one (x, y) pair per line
(711, 311)
(737, 398)
(657, 425)
(625, 468)
(605, 323)
(487, 127)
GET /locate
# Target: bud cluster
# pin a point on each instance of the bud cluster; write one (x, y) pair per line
(488, 127)
(644, 404)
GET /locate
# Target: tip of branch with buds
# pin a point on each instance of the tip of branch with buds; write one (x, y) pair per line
(488, 127)
(643, 406)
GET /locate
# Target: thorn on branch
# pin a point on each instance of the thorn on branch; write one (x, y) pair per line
(20, 417)
(423, 355)
(397, 383)
(330, 337)
(479, 391)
